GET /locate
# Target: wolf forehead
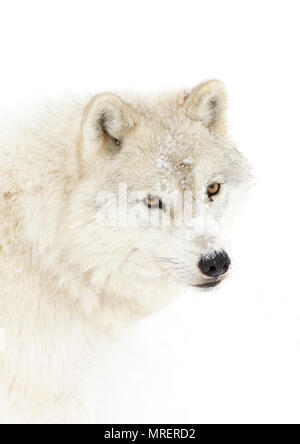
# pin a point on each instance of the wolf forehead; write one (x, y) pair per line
(175, 158)
(175, 140)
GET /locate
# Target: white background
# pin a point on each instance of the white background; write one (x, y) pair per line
(229, 355)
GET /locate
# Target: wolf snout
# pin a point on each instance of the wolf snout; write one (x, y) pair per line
(214, 264)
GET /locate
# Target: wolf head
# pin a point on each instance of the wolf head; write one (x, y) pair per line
(160, 184)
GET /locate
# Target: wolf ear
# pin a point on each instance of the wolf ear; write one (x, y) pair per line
(207, 103)
(106, 120)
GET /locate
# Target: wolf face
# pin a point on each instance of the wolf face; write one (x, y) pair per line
(160, 184)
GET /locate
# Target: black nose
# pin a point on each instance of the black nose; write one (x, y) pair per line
(214, 264)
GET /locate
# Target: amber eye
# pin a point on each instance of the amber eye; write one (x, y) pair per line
(153, 202)
(213, 189)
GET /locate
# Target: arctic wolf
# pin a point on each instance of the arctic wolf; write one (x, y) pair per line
(110, 207)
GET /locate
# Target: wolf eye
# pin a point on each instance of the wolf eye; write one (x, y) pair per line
(154, 202)
(213, 189)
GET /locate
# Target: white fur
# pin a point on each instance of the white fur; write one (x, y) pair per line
(69, 284)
